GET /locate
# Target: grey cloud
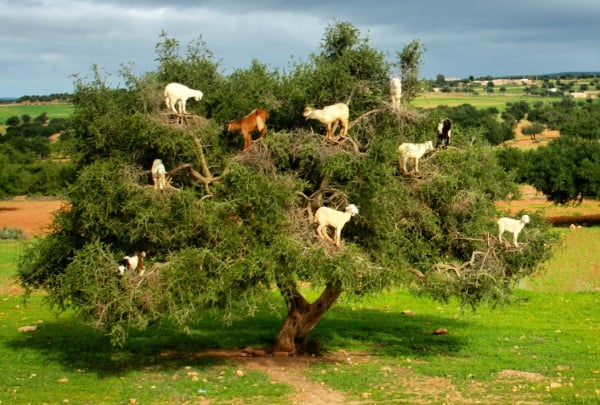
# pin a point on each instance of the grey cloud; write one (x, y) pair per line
(44, 42)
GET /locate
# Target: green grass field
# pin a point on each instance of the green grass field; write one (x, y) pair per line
(34, 110)
(542, 348)
(497, 100)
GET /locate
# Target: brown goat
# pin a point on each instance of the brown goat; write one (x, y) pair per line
(255, 121)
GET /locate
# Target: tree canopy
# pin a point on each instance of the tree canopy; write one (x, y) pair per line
(235, 226)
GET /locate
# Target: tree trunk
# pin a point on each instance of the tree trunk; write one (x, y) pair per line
(302, 317)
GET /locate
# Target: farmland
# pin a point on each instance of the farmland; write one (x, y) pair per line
(53, 110)
(497, 100)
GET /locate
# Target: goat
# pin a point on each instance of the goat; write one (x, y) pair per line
(514, 226)
(254, 121)
(176, 95)
(413, 151)
(395, 92)
(326, 216)
(444, 132)
(159, 174)
(330, 115)
(132, 263)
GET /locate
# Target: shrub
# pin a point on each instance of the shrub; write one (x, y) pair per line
(12, 233)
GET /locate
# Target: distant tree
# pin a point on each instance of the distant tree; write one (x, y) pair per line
(565, 167)
(518, 110)
(409, 61)
(440, 80)
(533, 130)
(41, 119)
(26, 118)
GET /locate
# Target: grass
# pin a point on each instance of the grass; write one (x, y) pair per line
(560, 349)
(58, 110)
(547, 339)
(574, 267)
(481, 101)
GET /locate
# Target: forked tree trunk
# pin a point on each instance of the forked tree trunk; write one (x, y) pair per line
(302, 317)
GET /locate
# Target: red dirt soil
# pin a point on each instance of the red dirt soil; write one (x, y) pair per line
(31, 216)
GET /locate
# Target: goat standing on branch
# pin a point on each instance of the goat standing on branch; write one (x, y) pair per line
(255, 121)
(444, 133)
(159, 174)
(330, 115)
(132, 263)
(395, 92)
(326, 216)
(413, 151)
(514, 226)
(176, 95)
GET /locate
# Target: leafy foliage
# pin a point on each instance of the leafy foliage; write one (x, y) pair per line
(233, 226)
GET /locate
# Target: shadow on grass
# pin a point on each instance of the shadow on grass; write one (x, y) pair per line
(389, 333)
(164, 347)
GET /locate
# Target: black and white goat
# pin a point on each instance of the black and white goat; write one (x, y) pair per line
(132, 263)
(444, 133)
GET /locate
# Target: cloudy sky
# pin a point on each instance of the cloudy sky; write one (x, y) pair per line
(43, 43)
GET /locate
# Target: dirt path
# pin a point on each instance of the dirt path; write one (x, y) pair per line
(32, 216)
(288, 371)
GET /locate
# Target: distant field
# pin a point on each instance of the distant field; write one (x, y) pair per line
(498, 100)
(34, 110)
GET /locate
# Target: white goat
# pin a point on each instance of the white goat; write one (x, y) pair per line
(330, 115)
(177, 94)
(326, 216)
(514, 226)
(132, 263)
(413, 151)
(396, 92)
(159, 174)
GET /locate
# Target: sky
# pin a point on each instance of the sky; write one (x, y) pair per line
(44, 43)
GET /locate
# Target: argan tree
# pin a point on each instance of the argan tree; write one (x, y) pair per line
(235, 226)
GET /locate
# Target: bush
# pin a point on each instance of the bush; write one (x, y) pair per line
(12, 233)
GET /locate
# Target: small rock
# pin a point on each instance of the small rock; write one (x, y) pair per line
(408, 312)
(440, 331)
(27, 328)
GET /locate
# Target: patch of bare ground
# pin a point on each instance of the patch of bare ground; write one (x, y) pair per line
(586, 213)
(525, 142)
(412, 387)
(285, 370)
(31, 216)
